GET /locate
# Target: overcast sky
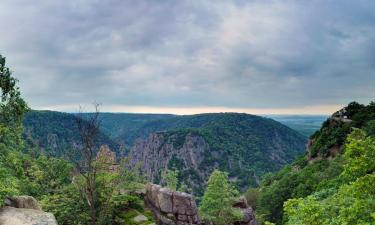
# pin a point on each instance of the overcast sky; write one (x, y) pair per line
(256, 56)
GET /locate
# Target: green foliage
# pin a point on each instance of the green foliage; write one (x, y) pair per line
(352, 201)
(217, 201)
(67, 205)
(335, 130)
(359, 155)
(252, 196)
(239, 144)
(50, 179)
(293, 182)
(55, 133)
(12, 109)
(322, 172)
(170, 179)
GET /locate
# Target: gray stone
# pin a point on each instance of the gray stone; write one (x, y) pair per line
(247, 212)
(165, 200)
(140, 218)
(182, 217)
(174, 207)
(26, 202)
(19, 216)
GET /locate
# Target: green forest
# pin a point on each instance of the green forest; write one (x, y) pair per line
(333, 183)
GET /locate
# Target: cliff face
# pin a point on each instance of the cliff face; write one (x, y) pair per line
(160, 152)
(245, 151)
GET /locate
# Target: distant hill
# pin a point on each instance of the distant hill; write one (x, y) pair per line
(304, 124)
(244, 145)
(121, 124)
(55, 133)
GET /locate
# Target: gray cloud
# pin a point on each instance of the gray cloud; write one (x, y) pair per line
(241, 54)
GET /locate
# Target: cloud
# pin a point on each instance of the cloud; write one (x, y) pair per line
(191, 54)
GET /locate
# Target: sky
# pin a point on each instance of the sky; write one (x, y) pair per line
(191, 56)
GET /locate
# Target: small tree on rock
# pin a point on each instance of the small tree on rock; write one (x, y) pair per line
(216, 205)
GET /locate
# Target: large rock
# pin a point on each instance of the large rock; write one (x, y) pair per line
(165, 198)
(26, 202)
(171, 207)
(178, 208)
(247, 212)
(20, 216)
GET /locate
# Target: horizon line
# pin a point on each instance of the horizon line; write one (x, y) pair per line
(318, 110)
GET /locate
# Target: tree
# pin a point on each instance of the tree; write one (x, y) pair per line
(350, 202)
(169, 177)
(252, 195)
(12, 110)
(359, 154)
(217, 201)
(84, 159)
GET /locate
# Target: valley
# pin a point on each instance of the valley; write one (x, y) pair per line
(246, 146)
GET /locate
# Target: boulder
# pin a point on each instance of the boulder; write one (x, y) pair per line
(26, 202)
(165, 197)
(171, 207)
(247, 212)
(140, 218)
(22, 216)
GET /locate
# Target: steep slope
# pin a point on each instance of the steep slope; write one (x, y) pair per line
(319, 167)
(55, 133)
(246, 146)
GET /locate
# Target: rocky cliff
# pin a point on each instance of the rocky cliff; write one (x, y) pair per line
(159, 152)
(245, 151)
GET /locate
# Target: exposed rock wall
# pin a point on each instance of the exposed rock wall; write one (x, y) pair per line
(159, 150)
(171, 207)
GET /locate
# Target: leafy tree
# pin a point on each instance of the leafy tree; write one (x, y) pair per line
(350, 202)
(169, 177)
(359, 155)
(12, 109)
(252, 196)
(217, 201)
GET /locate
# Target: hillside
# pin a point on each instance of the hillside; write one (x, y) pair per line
(117, 124)
(319, 171)
(246, 146)
(55, 133)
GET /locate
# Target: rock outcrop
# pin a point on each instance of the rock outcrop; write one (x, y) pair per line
(26, 202)
(24, 210)
(178, 208)
(171, 207)
(247, 211)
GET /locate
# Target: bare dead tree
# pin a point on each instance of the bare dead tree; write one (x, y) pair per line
(84, 157)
